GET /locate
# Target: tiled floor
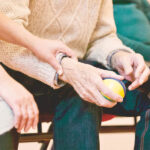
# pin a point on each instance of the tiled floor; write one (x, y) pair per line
(115, 141)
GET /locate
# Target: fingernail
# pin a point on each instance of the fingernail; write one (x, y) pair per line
(141, 81)
(120, 99)
(129, 88)
(60, 72)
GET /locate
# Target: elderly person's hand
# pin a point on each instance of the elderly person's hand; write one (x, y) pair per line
(20, 100)
(132, 66)
(87, 82)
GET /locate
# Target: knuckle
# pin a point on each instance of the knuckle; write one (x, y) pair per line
(84, 95)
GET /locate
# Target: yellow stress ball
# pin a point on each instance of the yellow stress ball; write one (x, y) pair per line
(116, 86)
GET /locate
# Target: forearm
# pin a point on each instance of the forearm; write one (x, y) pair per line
(4, 77)
(15, 33)
(21, 59)
(5, 81)
(68, 66)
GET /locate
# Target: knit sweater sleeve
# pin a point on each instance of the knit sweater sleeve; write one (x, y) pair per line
(104, 41)
(139, 47)
(19, 58)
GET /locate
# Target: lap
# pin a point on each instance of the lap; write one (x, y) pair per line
(47, 98)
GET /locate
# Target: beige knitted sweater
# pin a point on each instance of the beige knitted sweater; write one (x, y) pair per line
(86, 26)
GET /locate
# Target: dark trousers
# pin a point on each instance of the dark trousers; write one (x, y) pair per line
(76, 122)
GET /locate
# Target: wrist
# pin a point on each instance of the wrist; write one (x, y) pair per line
(117, 56)
(32, 43)
(68, 66)
(5, 81)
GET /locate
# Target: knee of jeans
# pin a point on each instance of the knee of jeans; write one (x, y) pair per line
(6, 117)
(75, 107)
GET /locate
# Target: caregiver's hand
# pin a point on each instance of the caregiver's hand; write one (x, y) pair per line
(20, 100)
(46, 50)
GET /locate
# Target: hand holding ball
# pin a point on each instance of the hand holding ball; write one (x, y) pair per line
(116, 86)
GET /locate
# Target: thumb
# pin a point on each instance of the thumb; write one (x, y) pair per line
(55, 64)
(69, 53)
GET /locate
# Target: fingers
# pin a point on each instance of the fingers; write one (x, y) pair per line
(139, 81)
(101, 101)
(36, 117)
(110, 74)
(141, 72)
(92, 95)
(139, 65)
(134, 85)
(127, 67)
(23, 119)
(144, 76)
(30, 120)
(107, 92)
(140, 68)
(69, 53)
(26, 116)
(33, 116)
(18, 116)
(55, 64)
(62, 48)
